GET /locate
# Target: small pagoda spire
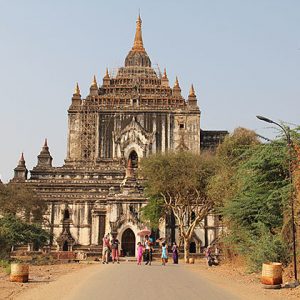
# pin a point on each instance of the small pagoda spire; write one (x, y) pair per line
(165, 74)
(176, 85)
(192, 99)
(77, 90)
(94, 82)
(138, 40)
(45, 158)
(20, 172)
(164, 79)
(106, 73)
(192, 91)
(22, 160)
(106, 78)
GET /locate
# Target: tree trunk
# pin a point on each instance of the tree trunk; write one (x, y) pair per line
(186, 250)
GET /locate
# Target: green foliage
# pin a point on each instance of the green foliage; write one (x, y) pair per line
(256, 210)
(153, 211)
(21, 199)
(235, 149)
(5, 264)
(177, 173)
(252, 191)
(264, 189)
(14, 231)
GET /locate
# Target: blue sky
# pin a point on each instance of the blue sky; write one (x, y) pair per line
(243, 58)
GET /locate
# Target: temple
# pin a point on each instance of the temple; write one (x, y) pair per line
(132, 114)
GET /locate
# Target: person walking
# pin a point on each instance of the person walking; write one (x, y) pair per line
(175, 253)
(164, 254)
(147, 246)
(139, 253)
(106, 249)
(115, 250)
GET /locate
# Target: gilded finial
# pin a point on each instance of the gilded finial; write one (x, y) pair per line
(176, 83)
(138, 40)
(94, 82)
(165, 74)
(106, 73)
(192, 91)
(77, 90)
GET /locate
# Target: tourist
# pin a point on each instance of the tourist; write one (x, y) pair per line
(147, 250)
(106, 249)
(140, 249)
(175, 253)
(208, 256)
(164, 254)
(115, 250)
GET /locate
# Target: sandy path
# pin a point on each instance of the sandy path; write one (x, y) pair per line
(129, 281)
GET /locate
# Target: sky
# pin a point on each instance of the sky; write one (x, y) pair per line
(243, 58)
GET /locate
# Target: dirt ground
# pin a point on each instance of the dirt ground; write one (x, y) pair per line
(234, 278)
(38, 275)
(227, 276)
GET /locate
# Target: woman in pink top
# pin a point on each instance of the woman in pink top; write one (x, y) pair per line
(139, 253)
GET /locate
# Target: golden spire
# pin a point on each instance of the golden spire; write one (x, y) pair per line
(77, 90)
(94, 82)
(106, 73)
(165, 74)
(192, 91)
(176, 85)
(138, 40)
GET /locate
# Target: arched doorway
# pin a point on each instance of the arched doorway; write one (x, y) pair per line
(134, 159)
(128, 242)
(65, 246)
(193, 248)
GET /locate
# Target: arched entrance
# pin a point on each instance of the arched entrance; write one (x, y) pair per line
(128, 242)
(65, 246)
(134, 159)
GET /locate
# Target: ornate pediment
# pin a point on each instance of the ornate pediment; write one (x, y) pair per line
(133, 137)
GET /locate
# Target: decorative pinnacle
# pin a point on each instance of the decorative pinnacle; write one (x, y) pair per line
(138, 40)
(176, 85)
(192, 91)
(77, 90)
(46, 143)
(106, 73)
(22, 157)
(94, 82)
(165, 74)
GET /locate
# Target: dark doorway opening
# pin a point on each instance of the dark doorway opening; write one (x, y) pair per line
(134, 159)
(128, 242)
(65, 246)
(66, 214)
(192, 247)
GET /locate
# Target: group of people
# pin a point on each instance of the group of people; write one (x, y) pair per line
(145, 252)
(110, 247)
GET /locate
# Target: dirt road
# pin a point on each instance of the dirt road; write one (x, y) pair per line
(129, 281)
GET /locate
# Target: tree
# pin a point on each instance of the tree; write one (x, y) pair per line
(257, 208)
(14, 231)
(21, 200)
(235, 149)
(180, 179)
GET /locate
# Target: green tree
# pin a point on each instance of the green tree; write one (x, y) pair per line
(255, 211)
(21, 200)
(14, 232)
(180, 180)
